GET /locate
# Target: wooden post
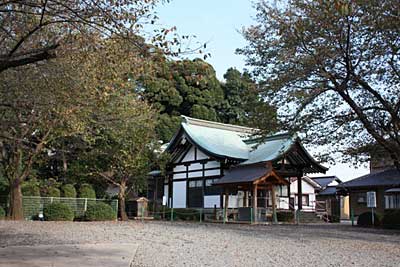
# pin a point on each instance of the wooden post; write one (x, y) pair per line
(299, 193)
(226, 205)
(255, 202)
(273, 196)
(245, 200)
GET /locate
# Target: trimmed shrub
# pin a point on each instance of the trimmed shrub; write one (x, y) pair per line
(100, 212)
(52, 192)
(284, 216)
(86, 191)
(2, 213)
(68, 190)
(391, 219)
(183, 214)
(58, 212)
(30, 188)
(365, 219)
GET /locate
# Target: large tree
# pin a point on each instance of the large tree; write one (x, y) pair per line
(333, 68)
(243, 103)
(121, 140)
(33, 31)
(37, 104)
(184, 87)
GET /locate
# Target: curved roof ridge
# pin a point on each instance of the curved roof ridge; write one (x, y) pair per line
(219, 125)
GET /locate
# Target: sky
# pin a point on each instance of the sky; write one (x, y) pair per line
(217, 23)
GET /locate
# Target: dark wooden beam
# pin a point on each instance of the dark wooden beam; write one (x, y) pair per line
(299, 193)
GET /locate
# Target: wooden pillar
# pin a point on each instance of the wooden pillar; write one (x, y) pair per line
(299, 193)
(255, 202)
(288, 192)
(226, 206)
(245, 199)
(273, 196)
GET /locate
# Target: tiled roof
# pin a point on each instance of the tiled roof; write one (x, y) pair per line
(330, 190)
(235, 142)
(324, 181)
(389, 177)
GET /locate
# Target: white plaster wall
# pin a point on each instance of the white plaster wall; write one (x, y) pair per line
(166, 193)
(212, 164)
(179, 168)
(195, 174)
(283, 203)
(306, 188)
(179, 175)
(210, 201)
(232, 202)
(196, 166)
(179, 194)
(189, 156)
(201, 155)
(212, 172)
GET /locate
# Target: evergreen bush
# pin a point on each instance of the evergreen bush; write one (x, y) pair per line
(2, 213)
(30, 188)
(86, 191)
(100, 212)
(365, 219)
(68, 190)
(52, 192)
(58, 212)
(284, 216)
(391, 219)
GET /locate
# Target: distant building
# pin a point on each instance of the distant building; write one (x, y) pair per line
(384, 180)
(337, 206)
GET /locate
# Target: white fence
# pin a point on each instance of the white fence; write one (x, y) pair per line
(32, 206)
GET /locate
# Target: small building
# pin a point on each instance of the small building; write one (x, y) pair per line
(215, 165)
(336, 206)
(309, 193)
(385, 183)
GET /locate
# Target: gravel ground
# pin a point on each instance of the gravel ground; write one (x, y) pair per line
(191, 244)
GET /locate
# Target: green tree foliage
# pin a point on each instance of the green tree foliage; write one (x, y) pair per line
(244, 104)
(33, 31)
(86, 191)
(2, 213)
(58, 212)
(31, 188)
(185, 87)
(191, 88)
(68, 190)
(122, 142)
(333, 69)
(100, 212)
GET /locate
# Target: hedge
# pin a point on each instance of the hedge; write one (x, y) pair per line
(58, 212)
(68, 190)
(183, 214)
(52, 191)
(2, 213)
(100, 212)
(30, 188)
(391, 219)
(284, 216)
(86, 191)
(365, 219)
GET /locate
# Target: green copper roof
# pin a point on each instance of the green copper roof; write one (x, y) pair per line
(227, 141)
(219, 142)
(231, 141)
(272, 148)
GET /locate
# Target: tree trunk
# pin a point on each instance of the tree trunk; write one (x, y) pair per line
(121, 200)
(16, 211)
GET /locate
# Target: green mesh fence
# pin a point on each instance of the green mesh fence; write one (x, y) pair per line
(32, 206)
